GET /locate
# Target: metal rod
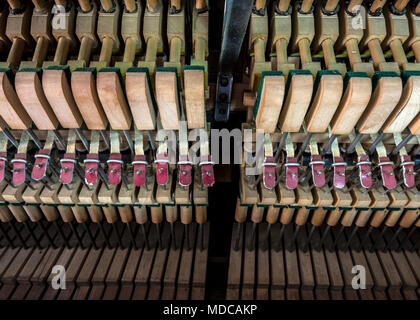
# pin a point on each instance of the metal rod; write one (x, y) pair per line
(329, 144)
(105, 138)
(59, 139)
(304, 144)
(34, 138)
(281, 145)
(235, 22)
(83, 138)
(401, 144)
(352, 145)
(378, 139)
(10, 137)
(151, 140)
(129, 140)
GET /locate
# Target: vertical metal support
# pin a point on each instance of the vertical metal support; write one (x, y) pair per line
(235, 23)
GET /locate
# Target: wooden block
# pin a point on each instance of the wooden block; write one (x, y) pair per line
(13, 194)
(195, 104)
(182, 194)
(70, 195)
(383, 101)
(85, 94)
(128, 195)
(269, 101)
(164, 194)
(146, 193)
(249, 195)
(141, 98)
(31, 195)
(108, 195)
(51, 195)
(12, 110)
(325, 102)
(322, 197)
(113, 100)
(285, 195)
(167, 99)
(30, 92)
(303, 196)
(58, 93)
(406, 109)
(353, 103)
(297, 102)
(89, 196)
